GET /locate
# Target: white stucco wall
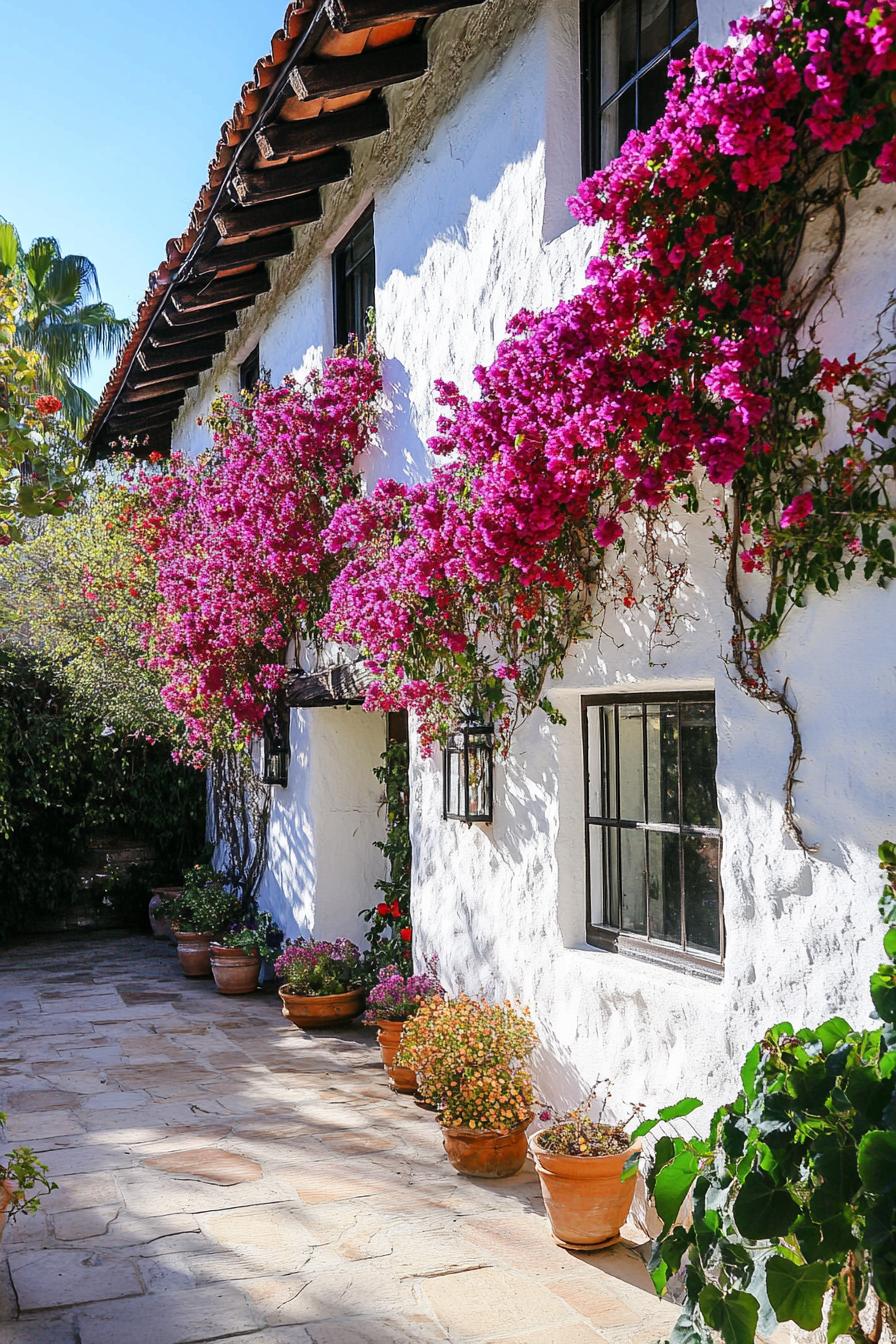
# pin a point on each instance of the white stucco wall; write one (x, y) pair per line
(470, 226)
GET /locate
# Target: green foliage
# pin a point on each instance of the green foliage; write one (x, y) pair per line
(79, 592)
(207, 903)
(22, 1173)
(64, 777)
(794, 1191)
(63, 320)
(257, 934)
(389, 916)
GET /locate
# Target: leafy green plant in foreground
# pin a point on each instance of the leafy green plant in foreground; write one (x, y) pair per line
(793, 1194)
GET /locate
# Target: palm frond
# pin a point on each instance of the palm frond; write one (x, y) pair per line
(10, 247)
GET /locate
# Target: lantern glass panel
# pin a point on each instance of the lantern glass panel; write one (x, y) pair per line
(467, 766)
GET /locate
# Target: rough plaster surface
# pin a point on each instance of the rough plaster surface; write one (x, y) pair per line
(470, 226)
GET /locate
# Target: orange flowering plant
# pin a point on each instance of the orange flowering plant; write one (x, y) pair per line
(470, 1059)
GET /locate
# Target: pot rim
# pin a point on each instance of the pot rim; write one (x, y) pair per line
(462, 1130)
(536, 1147)
(219, 949)
(189, 933)
(317, 998)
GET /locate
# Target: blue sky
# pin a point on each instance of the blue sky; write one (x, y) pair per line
(113, 109)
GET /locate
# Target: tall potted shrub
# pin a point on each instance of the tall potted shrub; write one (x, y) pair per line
(322, 982)
(392, 1002)
(205, 907)
(470, 1059)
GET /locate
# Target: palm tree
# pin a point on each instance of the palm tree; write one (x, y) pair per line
(64, 320)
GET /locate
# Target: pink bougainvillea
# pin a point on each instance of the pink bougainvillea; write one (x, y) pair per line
(236, 541)
(677, 362)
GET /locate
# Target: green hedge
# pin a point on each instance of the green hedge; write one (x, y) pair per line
(66, 779)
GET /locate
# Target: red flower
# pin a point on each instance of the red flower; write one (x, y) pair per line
(396, 909)
(382, 909)
(405, 935)
(47, 405)
(155, 457)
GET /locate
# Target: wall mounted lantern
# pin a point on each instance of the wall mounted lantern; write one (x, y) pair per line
(468, 772)
(275, 744)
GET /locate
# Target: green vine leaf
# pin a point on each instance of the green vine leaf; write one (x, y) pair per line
(796, 1292)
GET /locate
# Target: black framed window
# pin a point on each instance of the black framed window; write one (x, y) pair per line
(354, 281)
(250, 371)
(652, 829)
(626, 49)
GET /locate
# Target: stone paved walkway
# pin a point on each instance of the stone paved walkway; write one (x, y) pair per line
(223, 1175)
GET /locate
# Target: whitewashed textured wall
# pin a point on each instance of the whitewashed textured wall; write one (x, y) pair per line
(470, 226)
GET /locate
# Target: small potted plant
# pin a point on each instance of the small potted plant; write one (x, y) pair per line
(392, 1001)
(322, 982)
(205, 907)
(237, 955)
(20, 1174)
(162, 898)
(586, 1167)
(469, 1056)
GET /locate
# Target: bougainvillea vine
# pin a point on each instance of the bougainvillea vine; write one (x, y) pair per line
(689, 366)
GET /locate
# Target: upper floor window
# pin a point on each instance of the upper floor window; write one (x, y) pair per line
(653, 833)
(354, 281)
(250, 371)
(626, 49)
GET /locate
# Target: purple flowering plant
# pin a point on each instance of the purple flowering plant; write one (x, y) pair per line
(312, 968)
(395, 997)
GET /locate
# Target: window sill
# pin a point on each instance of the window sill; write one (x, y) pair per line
(632, 948)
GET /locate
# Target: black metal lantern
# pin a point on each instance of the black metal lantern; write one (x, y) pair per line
(275, 744)
(468, 772)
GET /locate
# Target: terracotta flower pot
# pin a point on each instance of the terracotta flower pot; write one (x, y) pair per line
(7, 1192)
(475, 1152)
(321, 1010)
(235, 972)
(193, 952)
(389, 1036)
(586, 1198)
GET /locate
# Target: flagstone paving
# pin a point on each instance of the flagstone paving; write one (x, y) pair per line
(223, 1175)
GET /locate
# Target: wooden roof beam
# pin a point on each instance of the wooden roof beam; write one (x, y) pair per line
(163, 380)
(164, 338)
(223, 259)
(163, 397)
(252, 219)
(257, 186)
(282, 138)
(373, 69)
(236, 289)
(350, 16)
(200, 353)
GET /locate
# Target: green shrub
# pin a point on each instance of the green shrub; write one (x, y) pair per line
(794, 1192)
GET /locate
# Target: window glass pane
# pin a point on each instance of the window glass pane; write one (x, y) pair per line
(698, 763)
(634, 880)
(652, 89)
(701, 892)
(655, 32)
(601, 761)
(618, 46)
(604, 876)
(664, 886)
(631, 762)
(685, 15)
(615, 123)
(662, 762)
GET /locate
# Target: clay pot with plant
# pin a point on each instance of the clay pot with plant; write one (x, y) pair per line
(587, 1169)
(470, 1059)
(321, 982)
(162, 898)
(21, 1175)
(392, 1002)
(205, 907)
(237, 955)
